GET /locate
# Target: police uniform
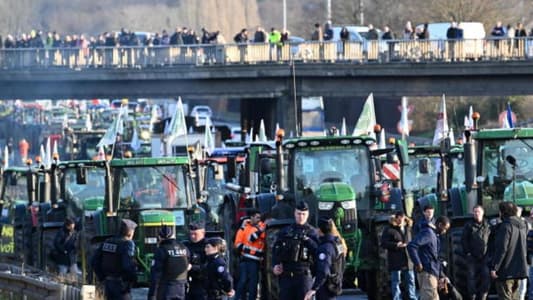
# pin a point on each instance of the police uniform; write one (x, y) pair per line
(326, 252)
(169, 270)
(197, 258)
(294, 249)
(114, 264)
(219, 281)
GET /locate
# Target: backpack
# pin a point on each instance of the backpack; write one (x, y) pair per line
(334, 281)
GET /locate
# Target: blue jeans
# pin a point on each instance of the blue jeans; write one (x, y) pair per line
(248, 278)
(396, 280)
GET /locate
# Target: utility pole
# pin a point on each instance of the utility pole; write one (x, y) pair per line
(361, 12)
(284, 15)
(328, 12)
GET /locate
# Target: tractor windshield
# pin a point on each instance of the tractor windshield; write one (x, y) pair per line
(507, 164)
(15, 188)
(458, 175)
(88, 196)
(152, 187)
(350, 164)
(420, 176)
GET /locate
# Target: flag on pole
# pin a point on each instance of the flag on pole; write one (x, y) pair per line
(262, 132)
(367, 119)
(177, 126)
(276, 131)
(404, 122)
(110, 135)
(250, 137)
(88, 123)
(42, 154)
(382, 144)
(209, 139)
(135, 142)
(48, 159)
(452, 137)
(441, 130)
(55, 152)
(6, 157)
(510, 116)
(343, 127)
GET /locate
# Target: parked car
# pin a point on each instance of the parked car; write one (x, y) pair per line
(201, 113)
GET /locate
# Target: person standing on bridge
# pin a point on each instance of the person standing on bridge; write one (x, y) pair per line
(114, 263)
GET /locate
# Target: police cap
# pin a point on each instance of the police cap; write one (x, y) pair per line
(302, 205)
(165, 232)
(128, 224)
(196, 225)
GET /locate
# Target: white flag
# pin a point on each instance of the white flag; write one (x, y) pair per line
(404, 122)
(55, 152)
(382, 144)
(48, 158)
(6, 157)
(441, 130)
(88, 123)
(177, 126)
(110, 135)
(367, 119)
(262, 132)
(135, 142)
(42, 154)
(209, 139)
(343, 127)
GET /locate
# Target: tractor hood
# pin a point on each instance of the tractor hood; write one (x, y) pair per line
(157, 217)
(335, 191)
(93, 203)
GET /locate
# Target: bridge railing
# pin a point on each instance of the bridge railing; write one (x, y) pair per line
(379, 51)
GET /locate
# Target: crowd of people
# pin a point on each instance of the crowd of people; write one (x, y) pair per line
(307, 260)
(188, 36)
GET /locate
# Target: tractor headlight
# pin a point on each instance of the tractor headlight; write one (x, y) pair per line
(325, 205)
(145, 135)
(348, 204)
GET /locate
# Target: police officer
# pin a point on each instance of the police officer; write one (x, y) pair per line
(329, 247)
(197, 259)
(293, 253)
(114, 262)
(169, 270)
(219, 281)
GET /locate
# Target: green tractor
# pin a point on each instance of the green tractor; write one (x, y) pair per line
(498, 167)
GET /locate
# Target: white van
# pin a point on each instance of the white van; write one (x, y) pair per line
(471, 30)
(471, 46)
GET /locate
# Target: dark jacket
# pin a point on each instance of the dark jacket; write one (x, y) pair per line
(396, 257)
(475, 239)
(424, 249)
(219, 281)
(324, 260)
(510, 249)
(65, 247)
(295, 247)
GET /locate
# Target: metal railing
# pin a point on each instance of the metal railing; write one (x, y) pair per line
(378, 51)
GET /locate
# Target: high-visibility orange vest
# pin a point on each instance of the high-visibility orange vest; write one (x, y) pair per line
(251, 241)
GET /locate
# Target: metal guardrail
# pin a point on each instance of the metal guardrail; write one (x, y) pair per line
(379, 51)
(15, 284)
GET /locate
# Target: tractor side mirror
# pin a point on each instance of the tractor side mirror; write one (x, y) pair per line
(403, 152)
(13, 179)
(423, 166)
(81, 175)
(232, 168)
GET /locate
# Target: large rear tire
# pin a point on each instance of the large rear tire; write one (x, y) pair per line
(458, 263)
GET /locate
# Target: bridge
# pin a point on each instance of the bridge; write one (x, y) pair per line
(266, 74)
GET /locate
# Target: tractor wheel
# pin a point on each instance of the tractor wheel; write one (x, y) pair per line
(228, 217)
(270, 284)
(458, 263)
(383, 290)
